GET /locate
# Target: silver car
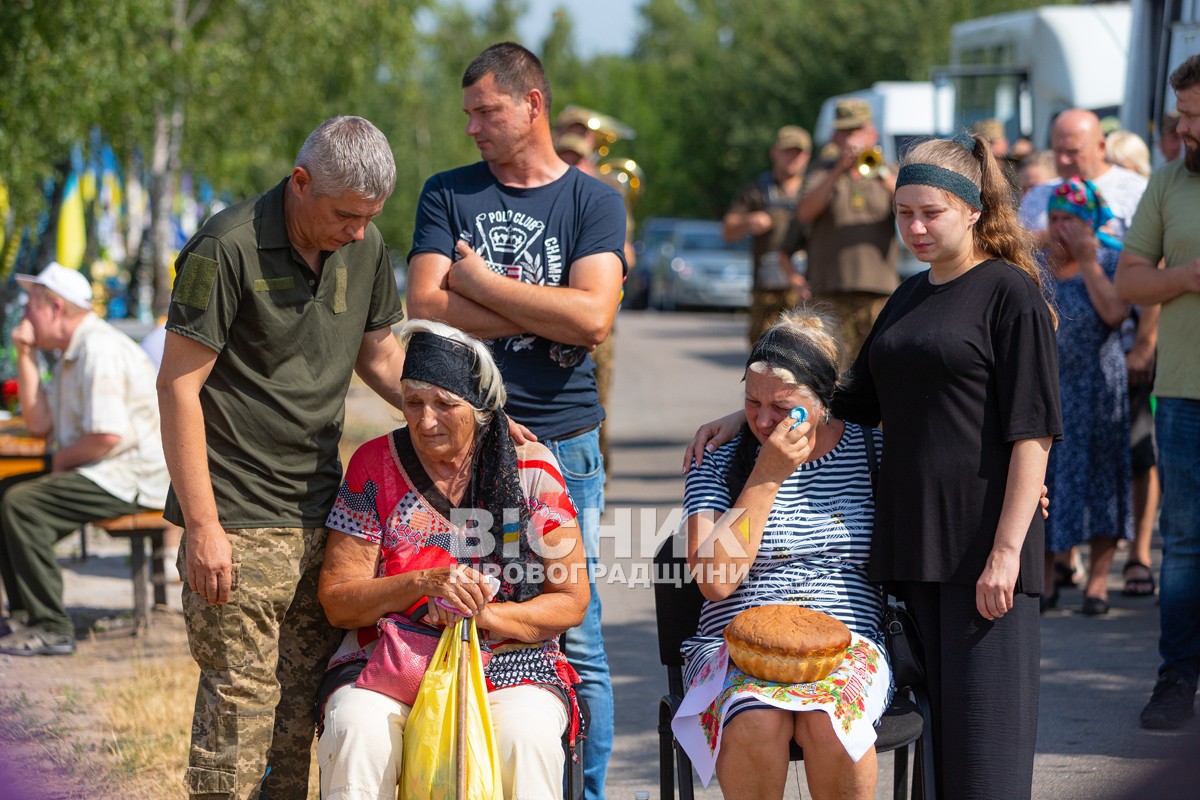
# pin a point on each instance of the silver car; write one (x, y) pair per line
(695, 267)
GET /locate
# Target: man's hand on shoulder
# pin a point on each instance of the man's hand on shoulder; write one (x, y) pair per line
(519, 433)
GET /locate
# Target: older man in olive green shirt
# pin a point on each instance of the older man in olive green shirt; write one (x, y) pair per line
(276, 301)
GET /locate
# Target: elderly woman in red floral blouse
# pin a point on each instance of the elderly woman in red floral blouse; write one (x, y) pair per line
(430, 518)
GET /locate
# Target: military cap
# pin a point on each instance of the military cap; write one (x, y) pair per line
(793, 136)
(850, 113)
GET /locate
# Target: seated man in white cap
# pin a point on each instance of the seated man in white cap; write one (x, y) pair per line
(100, 413)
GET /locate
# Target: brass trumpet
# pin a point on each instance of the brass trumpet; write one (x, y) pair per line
(869, 161)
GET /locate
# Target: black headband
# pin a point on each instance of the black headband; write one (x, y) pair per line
(941, 178)
(958, 185)
(780, 347)
(443, 362)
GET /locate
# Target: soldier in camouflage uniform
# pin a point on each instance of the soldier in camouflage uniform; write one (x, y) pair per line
(764, 208)
(275, 301)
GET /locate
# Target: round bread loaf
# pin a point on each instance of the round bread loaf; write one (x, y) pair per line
(786, 644)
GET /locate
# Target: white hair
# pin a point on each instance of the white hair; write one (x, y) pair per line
(1127, 149)
(491, 385)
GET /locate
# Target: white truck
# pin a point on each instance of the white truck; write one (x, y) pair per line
(1163, 36)
(1024, 67)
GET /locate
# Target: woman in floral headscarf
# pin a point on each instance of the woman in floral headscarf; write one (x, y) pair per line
(1089, 471)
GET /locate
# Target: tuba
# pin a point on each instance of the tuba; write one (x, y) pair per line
(605, 129)
(624, 175)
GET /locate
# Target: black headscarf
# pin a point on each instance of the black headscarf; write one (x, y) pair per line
(495, 484)
(783, 348)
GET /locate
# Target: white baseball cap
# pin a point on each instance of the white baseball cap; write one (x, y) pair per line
(68, 284)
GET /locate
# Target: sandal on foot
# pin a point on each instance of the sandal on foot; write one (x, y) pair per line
(1094, 606)
(1139, 580)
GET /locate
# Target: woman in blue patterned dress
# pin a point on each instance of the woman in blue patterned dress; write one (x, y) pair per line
(1089, 471)
(801, 536)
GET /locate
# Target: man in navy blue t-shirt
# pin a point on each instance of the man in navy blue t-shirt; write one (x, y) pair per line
(524, 251)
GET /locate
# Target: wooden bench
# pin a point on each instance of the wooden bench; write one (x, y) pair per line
(147, 525)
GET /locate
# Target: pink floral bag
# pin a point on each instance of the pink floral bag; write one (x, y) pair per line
(401, 656)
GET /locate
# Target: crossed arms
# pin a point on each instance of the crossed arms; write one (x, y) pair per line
(468, 295)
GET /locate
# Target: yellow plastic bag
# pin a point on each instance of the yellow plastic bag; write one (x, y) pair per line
(428, 766)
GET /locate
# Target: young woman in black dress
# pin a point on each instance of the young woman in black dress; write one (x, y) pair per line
(961, 368)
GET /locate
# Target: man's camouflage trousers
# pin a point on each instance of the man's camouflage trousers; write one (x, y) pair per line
(261, 659)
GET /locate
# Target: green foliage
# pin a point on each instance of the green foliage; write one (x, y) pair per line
(558, 53)
(67, 66)
(261, 78)
(254, 77)
(706, 84)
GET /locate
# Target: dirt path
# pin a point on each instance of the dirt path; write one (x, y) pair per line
(51, 745)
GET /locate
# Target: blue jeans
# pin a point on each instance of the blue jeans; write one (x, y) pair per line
(583, 470)
(1177, 424)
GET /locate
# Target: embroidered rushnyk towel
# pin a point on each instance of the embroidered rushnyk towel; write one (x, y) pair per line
(854, 696)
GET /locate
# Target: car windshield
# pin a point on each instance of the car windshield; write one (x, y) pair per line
(707, 240)
(656, 237)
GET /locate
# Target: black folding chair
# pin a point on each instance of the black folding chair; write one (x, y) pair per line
(677, 609)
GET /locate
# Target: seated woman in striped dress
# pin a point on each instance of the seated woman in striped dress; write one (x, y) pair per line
(798, 528)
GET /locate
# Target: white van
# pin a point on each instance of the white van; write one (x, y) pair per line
(1164, 36)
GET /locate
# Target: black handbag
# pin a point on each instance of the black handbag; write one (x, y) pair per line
(899, 628)
(904, 646)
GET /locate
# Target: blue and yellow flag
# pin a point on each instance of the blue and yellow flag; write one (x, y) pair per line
(71, 239)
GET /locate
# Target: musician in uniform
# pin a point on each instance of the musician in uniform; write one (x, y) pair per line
(847, 199)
